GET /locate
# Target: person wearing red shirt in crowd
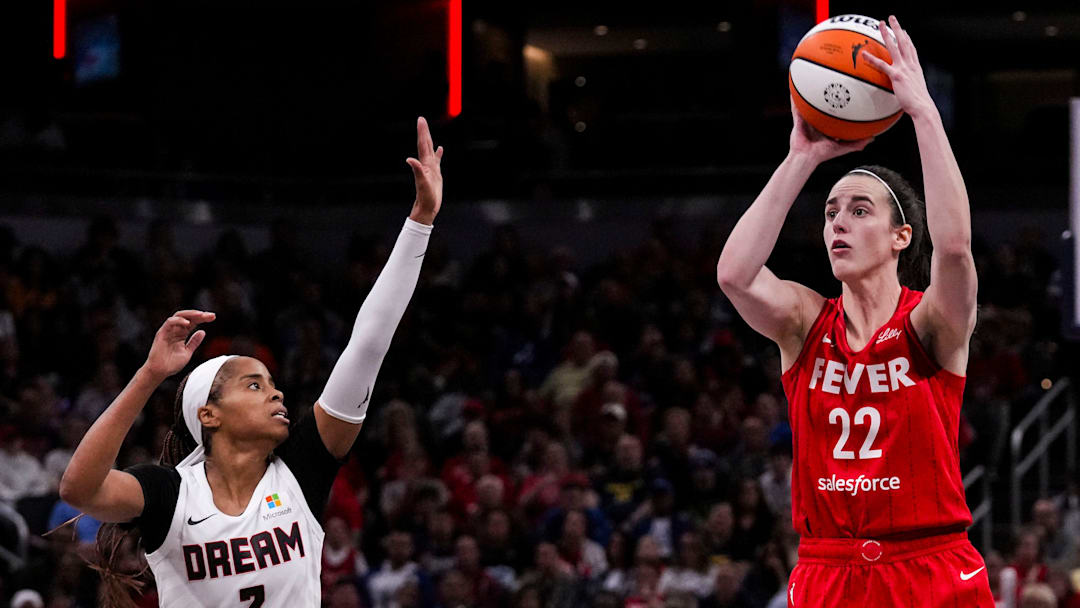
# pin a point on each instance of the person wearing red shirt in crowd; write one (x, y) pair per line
(340, 558)
(462, 472)
(1028, 560)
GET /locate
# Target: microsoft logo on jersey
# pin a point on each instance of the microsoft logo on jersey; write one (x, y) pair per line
(273, 501)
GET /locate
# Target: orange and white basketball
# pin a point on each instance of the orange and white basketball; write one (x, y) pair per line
(834, 88)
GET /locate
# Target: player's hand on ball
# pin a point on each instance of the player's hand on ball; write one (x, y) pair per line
(427, 173)
(172, 347)
(808, 141)
(908, 82)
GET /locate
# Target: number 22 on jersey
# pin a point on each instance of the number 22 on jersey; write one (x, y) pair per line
(865, 415)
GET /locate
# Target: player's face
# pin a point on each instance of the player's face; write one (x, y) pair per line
(251, 408)
(859, 235)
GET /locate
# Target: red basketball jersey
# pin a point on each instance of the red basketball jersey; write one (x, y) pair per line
(875, 432)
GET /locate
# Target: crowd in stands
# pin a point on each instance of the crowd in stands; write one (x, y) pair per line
(542, 434)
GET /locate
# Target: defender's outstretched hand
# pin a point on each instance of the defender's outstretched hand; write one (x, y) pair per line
(172, 347)
(908, 82)
(427, 173)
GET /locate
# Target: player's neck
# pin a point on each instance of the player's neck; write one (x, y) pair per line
(868, 304)
(233, 472)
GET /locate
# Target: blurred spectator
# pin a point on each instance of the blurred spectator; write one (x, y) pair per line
(500, 552)
(485, 591)
(462, 472)
(706, 487)
(657, 519)
(753, 522)
(1057, 545)
(396, 571)
(776, 480)
(693, 573)
(439, 552)
(567, 380)
(71, 432)
(21, 475)
(585, 555)
(623, 489)
(340, 559)
(1002, 580)
(553, 578)
(455, 590)
(1038, 595)
(540, 490)
(1028, 560)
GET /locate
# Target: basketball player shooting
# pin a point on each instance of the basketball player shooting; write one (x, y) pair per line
(874, 378)
(231, 515)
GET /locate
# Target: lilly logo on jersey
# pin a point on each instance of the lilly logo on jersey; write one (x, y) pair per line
(881, 377)
(888, 334)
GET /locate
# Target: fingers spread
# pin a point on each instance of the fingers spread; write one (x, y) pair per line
(889, 36)
(876, 62)
(439, 153)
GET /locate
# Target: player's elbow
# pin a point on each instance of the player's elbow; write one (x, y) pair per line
(729, 277)
(73, 492)
(70, 492)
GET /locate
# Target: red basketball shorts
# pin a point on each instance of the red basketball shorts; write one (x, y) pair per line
(939, 571)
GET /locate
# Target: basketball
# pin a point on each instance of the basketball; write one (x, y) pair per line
(834, 89)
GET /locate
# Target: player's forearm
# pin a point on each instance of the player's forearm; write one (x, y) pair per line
(354, 373)
(948, 215)
(752, 240)
(389, 297)
(97, 451)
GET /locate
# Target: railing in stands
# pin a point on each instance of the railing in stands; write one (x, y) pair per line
(15, 555)
(1048, 433)
(983, 513)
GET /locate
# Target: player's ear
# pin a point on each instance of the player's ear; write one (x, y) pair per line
(208, 416)
(902, 237)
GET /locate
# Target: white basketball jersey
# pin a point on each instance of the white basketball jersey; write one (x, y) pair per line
(271, 555)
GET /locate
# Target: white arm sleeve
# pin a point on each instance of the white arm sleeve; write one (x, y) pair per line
(348, 390)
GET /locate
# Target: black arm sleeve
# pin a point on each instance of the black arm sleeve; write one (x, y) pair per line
(310, 462)
(161, 491)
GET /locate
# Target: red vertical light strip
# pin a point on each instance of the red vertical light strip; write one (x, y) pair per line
(59, 48)
(453, 56)
(822, 11)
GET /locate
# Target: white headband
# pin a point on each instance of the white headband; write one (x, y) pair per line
(903, 218)
(196, 394)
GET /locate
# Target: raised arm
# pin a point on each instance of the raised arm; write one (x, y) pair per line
(779, 310)
(946, 316)
(90, 484)
(342, 407)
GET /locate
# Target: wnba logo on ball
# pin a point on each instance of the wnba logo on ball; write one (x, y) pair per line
(855, 52)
